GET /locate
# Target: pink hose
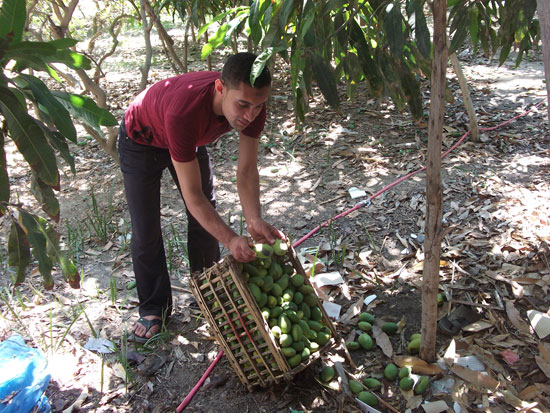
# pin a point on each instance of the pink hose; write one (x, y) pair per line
(195, 389)
(191, 394)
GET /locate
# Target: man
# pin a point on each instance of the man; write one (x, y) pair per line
(168, 126)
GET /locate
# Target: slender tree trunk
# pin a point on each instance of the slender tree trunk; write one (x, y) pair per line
(165, 37)
(148, 48)
(432, 244)
(186, 45)
(543, 8)
(468, 104)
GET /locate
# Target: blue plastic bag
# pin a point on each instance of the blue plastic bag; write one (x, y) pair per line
(23, 378)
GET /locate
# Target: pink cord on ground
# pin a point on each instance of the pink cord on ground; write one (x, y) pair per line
(195, 389)
(187, 400)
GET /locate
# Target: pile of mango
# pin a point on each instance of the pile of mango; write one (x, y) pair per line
(287, 302)
(363, 388)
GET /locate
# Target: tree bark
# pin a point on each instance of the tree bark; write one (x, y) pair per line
(433, 230)
(144, 69)
(468, 104)
(165, 37)
(543, 9)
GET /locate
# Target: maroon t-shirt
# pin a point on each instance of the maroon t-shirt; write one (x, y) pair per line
(177, 114)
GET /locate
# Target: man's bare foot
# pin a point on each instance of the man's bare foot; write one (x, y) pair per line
(147, 326)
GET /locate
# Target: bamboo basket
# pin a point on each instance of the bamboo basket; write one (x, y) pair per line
(240, 328)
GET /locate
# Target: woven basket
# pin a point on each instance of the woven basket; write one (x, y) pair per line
(235, 319)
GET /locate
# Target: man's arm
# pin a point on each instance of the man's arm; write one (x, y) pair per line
(189, 178)
(248, 187)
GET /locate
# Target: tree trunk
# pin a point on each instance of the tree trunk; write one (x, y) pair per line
(474, 130)
(432, 244)
(186, 45)
(165, 37)
(543, 9)
(148, 48)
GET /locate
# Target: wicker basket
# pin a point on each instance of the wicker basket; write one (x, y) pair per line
(240, 328)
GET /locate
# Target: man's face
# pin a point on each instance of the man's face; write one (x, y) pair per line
(242, 105)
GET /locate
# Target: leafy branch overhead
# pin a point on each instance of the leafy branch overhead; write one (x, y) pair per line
(40, 138)
(384, 43)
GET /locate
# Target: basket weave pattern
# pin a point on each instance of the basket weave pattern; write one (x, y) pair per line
(238, 325)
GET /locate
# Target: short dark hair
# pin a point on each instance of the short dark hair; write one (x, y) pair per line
(237, 69)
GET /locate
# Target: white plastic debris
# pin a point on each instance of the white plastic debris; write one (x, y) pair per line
(355, 192)
(332, 309)
(540, 322)
(101, 345)
(370, 299)
(328, 278)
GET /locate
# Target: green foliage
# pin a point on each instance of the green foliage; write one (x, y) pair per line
(386, 44)
(41, 137)
(326, 42)
(495, 26)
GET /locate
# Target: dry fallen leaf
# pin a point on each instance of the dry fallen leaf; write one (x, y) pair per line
(435, 407)
(543, 360)
(418, 366)
(353, 311)
(475, 377)
(382, 341)
(515, 318)
(534, 390)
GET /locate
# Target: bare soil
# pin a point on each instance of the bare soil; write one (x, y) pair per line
(496, 197)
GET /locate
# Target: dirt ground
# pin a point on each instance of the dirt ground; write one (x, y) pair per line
(496, 197)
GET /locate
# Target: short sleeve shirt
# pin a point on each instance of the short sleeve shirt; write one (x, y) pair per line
(177, 114)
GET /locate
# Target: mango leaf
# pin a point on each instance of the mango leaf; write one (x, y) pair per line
(13, 14)
(53, 108)
(58, 141)
(460, 27)
(72, 59)
(234, 25)
(19, 253)
(261, 61)
(220, 17)
(29, 50)
(322, 73)
(393, 27)
(4, 178)
(45, 196)
(286, 10)
(273, 35)
(85, 109)
(411, 89)
(29, 138)
(339, 24)
(417, 21)
(70, 273)
(214, 41)
(38, 244)
(369, 66)
(64, 43)
(299, 87)
(474, 25)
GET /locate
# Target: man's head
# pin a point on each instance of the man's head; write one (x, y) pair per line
(234, 97)
(237, 69)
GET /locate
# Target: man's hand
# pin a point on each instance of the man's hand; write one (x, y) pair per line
(263, 232)
(241, 249)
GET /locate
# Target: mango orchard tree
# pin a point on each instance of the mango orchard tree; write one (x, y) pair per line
(39, 121)
(383, 43)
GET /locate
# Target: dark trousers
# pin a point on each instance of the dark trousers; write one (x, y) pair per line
(142, 167)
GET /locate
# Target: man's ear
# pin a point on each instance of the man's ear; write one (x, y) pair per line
(218, 85)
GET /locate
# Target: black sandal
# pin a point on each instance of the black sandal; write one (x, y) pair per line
(148, 324)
